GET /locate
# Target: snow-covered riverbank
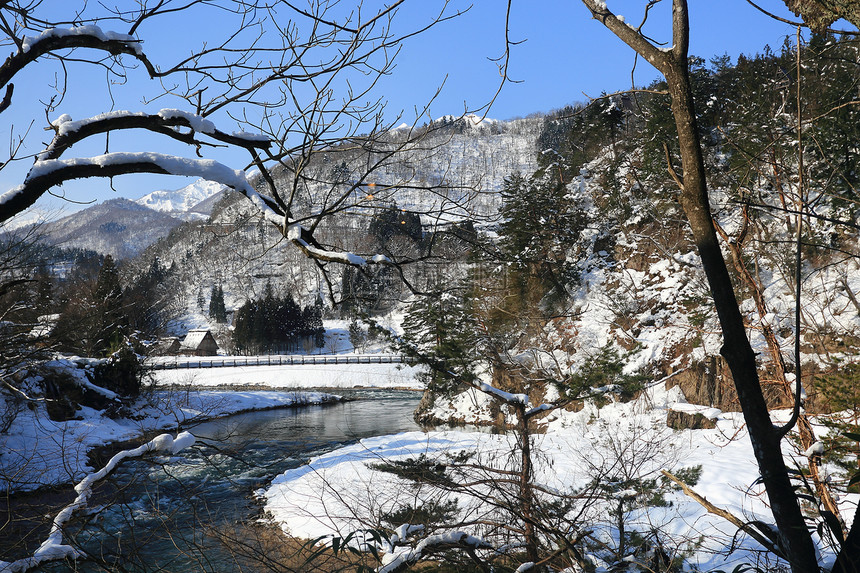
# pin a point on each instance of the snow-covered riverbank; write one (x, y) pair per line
(39, 452)
(345, 491)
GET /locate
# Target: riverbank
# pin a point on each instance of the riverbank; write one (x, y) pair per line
(589, 459)
(206, 492)
(38, 452)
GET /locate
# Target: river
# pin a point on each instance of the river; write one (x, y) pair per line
(169, 516)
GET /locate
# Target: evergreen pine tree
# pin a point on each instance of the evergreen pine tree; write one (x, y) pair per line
(108, 307)
(440, 331)
(540, 226)
(217, 308)
(357, 335)
(257, 324)
(212, 303)
(290, 317)
(393, 221)
(241, 328)
(316, 324)
(271, 335)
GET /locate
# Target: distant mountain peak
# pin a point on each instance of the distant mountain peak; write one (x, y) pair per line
(181, 200)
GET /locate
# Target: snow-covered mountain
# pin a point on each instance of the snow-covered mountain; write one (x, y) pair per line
(183, 203)
(124, 228)
(119, 227)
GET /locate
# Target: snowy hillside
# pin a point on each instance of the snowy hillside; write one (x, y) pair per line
(119, 227)
(237, 249)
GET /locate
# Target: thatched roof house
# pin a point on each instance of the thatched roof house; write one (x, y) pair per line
(199, 342)
(166, 347)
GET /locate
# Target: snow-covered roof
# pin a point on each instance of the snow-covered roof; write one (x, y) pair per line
(194, 338)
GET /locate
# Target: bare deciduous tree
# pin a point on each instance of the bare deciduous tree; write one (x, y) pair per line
(296, 84)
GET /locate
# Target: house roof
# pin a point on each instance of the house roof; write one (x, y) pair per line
(194, 338)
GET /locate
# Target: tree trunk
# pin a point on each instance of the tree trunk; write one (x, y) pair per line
(804, 426)
(794, 537)
(526, 494)
(848, 560)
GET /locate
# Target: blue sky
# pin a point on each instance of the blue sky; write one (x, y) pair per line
(564, 57)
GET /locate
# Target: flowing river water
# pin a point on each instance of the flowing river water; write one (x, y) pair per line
(195, 513)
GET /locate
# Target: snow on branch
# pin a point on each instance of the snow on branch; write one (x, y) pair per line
(165, 122)
(401, 534)
(432, 544)
(538, 409)
(502, 395)
(50, 173)
(91, 30)
(55, 39)
(53, 549)
(304, 240)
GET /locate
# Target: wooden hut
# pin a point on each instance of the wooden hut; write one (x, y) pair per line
(166, 347)
(199, 342)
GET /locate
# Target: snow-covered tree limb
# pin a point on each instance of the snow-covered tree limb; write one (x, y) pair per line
(53, 548)
(304, 240)
(164, 122)
(57, 39)
(49, 173)
(431, 545)
(520, 399)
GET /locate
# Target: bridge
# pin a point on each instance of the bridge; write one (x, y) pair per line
(176, 362)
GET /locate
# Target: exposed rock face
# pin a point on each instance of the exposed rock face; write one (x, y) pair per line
(685, 420)
(708, 383)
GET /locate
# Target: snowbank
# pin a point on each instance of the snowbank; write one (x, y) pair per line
(38, 452)
(341, 492)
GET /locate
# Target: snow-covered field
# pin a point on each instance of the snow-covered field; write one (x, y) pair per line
(307, 376)
(340, 492)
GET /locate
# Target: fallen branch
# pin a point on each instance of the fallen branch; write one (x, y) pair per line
(747, 528)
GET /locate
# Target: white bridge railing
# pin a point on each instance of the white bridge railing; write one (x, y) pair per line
(171, 362)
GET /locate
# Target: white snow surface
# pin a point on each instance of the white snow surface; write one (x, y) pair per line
(340, 492)
(307, 376)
